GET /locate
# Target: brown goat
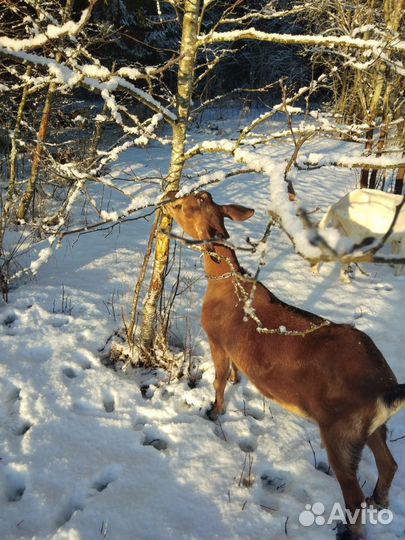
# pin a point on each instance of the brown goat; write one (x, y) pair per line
(332, 374)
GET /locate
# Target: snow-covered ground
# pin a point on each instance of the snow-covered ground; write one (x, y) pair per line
(87, 452)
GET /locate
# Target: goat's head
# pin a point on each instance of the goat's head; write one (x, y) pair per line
(201, 217)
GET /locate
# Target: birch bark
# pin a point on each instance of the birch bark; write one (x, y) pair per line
(42, 131)
(185, 77)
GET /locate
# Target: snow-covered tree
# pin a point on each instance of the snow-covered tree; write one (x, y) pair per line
(209, 47)
(53, 55)
(49, 65)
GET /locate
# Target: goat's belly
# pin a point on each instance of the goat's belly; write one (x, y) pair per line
(273, 387)
(290, 407)
(285, 404)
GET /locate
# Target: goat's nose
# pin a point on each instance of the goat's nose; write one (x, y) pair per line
(169, 197)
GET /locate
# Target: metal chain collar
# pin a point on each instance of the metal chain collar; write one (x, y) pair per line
(250, 312)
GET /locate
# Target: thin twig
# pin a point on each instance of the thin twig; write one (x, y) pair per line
(313, 453)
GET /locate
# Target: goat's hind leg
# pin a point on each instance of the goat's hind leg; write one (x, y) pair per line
(344, 452)
(221, 362)
(386, 466)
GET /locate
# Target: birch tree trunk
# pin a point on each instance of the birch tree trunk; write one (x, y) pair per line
(185, 77)
(14, 142)
(42, 131)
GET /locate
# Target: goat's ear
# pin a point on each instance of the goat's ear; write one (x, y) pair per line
(236, 212)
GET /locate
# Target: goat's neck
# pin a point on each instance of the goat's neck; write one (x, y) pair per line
(221, 265)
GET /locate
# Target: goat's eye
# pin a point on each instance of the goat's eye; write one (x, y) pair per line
(176, 206)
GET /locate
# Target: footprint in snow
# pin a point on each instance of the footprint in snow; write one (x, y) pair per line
(14, 485)
(108, 401)
(13, 398)
(12, 405)
(82, 406)
(272, 483)
(154, 438)
(77, 502)
(139, 423)
(74, 504)
(84, 358)
(103, 480)
(157, 443)
(254, 412)
(69, 372)
(73, 372)
(22, 428)
(9, 319)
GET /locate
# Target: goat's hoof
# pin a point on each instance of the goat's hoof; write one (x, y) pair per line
(377, 502)
(344, 532)
(212, 413)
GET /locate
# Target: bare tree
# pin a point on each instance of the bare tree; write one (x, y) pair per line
(211, 31)
(188, 50)
(210, 48)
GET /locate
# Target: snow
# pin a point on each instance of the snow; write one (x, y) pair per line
(330, 41)
(356, 159)
(43, 257)
(95, 71)
(280, 204)
(87, 452)
(70, 28)
(203, 181)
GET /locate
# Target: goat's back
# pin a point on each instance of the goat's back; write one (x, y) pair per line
(293, 369)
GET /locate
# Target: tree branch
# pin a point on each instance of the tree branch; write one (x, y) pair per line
(330, 42)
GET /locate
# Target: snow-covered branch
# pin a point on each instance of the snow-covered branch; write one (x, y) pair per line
(353, 162)
(308, 242)
(265, 15)
(53, 32)
(94, 78)
(281, 106)
(331, 42)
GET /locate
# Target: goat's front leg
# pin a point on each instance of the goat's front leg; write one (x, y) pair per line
(221, 362)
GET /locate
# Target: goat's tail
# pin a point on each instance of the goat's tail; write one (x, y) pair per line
(394, 399)
(326, 218)
(388, 404)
